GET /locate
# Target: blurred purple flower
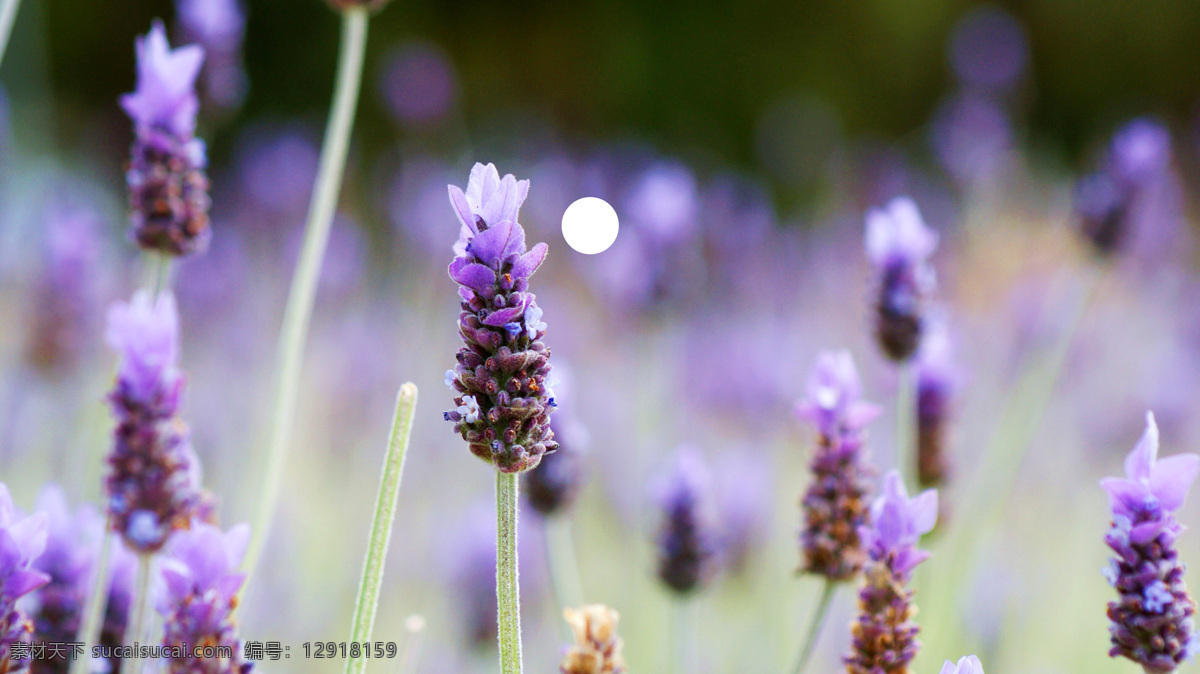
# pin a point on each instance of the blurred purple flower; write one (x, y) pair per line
(972, 137)
(506, 424)
(277, 167)
(219, 26)
(884, 635)
(553, 485)
(833, 505)
(22, 540)
(968, 664)
(201, 577)
(664, 202)
(56, 609)
(937, 377)
(165, 97)
(744, 499)
(899, 244)
(416, 202)
(153, 483)
(989, 49)
(688, 539)
(418, 83)
(1152, 623)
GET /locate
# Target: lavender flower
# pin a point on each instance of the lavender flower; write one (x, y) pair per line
(220, 27)
(1152, 621)
(553, 485)
(936, 381)
(168, 190)
(201, 579)
(834, 506)
(502, 403)
(687, 540)
(597, 648)
(22, 540)
(968, 664)
(153, 482)
(884, 635)
(69, 560)
(1137, 159)
(899, 243)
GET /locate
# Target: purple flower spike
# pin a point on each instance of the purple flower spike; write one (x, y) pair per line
(834, 506)
(966, 665)
(1152, 621)
(22, 540)
(168, 190)
(502, 405)
(201, 579)
(884, 635)
(56, 609)
(937, 378)
(153, 482)
(899, 244)
(552, 487)
(687, 541)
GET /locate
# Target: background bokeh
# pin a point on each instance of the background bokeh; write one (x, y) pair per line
(740, 143)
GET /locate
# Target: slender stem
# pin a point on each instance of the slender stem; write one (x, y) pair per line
(814, 628)
(294, 331)
(160, 274)
(8, 14)
(508, 594)
(381, 525)
(137, 617)
(93, 610)
(413, 627)
(905, 413)
(562, 567)
(682, 634)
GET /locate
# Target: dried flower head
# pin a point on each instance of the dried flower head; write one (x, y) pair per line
(153, 482)
(834, 506)
(1152, 622)
(22, 540)
(688, 538)
(502, 401)
(884, 636)
(597, 648)
(899, 244)
(168, 190)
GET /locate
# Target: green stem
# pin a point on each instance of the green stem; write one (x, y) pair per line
(682, 633)
(508, 594)
(93, 610)
(137, 616)
(160, 274)
(413, 627)
(905, 414)
(8, 15)
(562, 567)
(294, 331)
(814, 628)
(381, 525)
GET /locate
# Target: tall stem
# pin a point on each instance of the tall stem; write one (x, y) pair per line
(508, 594)
(814, 628)
(294, 332)
(93, 610)
(562, 567)
(905, 414)
(137, 617)
(160, 273)
(682, 630)
(381, 524)
(8, 14)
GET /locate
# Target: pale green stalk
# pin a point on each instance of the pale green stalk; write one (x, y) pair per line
(93, 610)
(814, 628)
(137, 616)
(410, 652)
(381, 525)
(683, 633)
(508, 595)
(905, 413)
(8, 15)
(160, 273)
(561, 565)
(294, 332)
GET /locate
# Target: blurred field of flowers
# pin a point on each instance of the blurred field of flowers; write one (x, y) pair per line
(1067, 286)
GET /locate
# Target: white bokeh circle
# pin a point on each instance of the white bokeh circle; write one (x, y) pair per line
(590, 225)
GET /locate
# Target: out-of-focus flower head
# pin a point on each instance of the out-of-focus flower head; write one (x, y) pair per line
(688, 540)
(502, 400)
(972, 137)
(22, 540)
(897, 523)
(553, 485)
(597, 648)
(968, 664)
(664, 201)
(165, 97)
(145, 334)
(833, 397)
(1152, 622)
(216, 23)
(418, 83)
(899, 244)
(989, 49)
(937, 378)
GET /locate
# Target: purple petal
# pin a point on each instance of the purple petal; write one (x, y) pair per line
(516, 241)
(923, 511)
(462, 208)
(528, 263)
(1141, 458)
(1124, 495)
(1147, 531)
(23, 581)
(1170, 479)
(31, 534)
(489, 244)
(862, 413)
(499, 317)
(475, 276)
